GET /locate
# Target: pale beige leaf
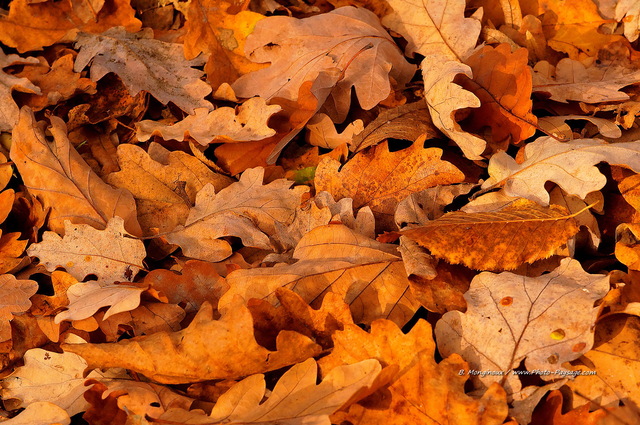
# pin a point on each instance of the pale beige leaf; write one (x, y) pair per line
(40, 413)
(55, 173)
(220, 125)
(444, 98)
(322, 132)
(368, 275)
(8, 108)
(154, 178)
(145, 398)
(435, 27)
(557, 126)
(111, 254)
(571, 80)
(512, 318)
(144, 63)
(14, 298)
(571, 165)
(85, 298)
(429, 204)
(52, 377)
(349, 40)
(246, 209)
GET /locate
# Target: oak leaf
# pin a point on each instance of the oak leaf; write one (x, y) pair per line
(551, 413)
(407, 122)
(321, 131)
(144, 63)
(32, 26)
(502, 81)
(429, 204)
(348, 39)
(522, 232)
(368, 275)
(625, 11)
(380, 179)
(246, 209)
(56, 83)
(188, 355)
(111, 254)
(15, 296)
(557, 126)
(9, 110)
(41, 413)
(212, 29)
(511, 318)
(103, 409)
(153, 178)
(296, 399)
(52, 377)
(220, 125)
(572, 80)
(444, 98)
(434, 27)
(420, 391)
(603, 373)
(145, 319)
(57, 174)
(571, 165)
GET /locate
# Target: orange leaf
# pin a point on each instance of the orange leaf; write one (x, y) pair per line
(551, 413)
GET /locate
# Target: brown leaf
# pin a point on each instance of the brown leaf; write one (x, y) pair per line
(380, 179)
(103, 409)
(15, 296)
(502, 82)
(9, 110)
(421, 391)
(86, 298)
(522, 232)
(146, 319)
(406, 122)
(55, 172)
(188, 355)
(551, 413)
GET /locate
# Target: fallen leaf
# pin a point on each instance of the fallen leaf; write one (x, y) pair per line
(50, 377)
(379, 178)
(429, 204)
(368, 275)
(153, 178)
(349, 39)
(9, 111)
(86, 298)
(625, 11)
(41, 413)
(246, 209)
(435, 28)
(551, 413)
(572, 80)
(557, 126)
(525, 319)
(188, 356)
(15, 296)
(571, 165)
(220, 125)
(30, 26)
(111, 254)
(144, 63)
(502, 81)
(145, 319)
(322, 132)
(522, 232)
(57, 174)
(405, 122)
(420, 391)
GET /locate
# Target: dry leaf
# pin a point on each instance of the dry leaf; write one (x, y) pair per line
(502, 82)
(526, 319)
(522, 232)
(557, 126)
(57, 174)
(188, 355)
(322, 132)
(144, 64)
(15, 296)
(572, 80)
(296, 399)
(571, 165)
(154, 178)
(86, 298)
(551, 413)
(246, 209)
(111, 254)
(347, 39)
(368, 275)
(9, 110)
(41, 413)
(420, 390)
(380, 179)
(220, 125)
(143, 320)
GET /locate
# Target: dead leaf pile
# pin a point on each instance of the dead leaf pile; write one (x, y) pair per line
(349, 212)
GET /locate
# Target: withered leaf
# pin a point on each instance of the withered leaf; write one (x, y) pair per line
(522, 232)
(14, 298)
(188, 355)
(9, 109)
(57, 174)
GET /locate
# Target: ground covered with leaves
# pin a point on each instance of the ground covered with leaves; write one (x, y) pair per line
(320, 212)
